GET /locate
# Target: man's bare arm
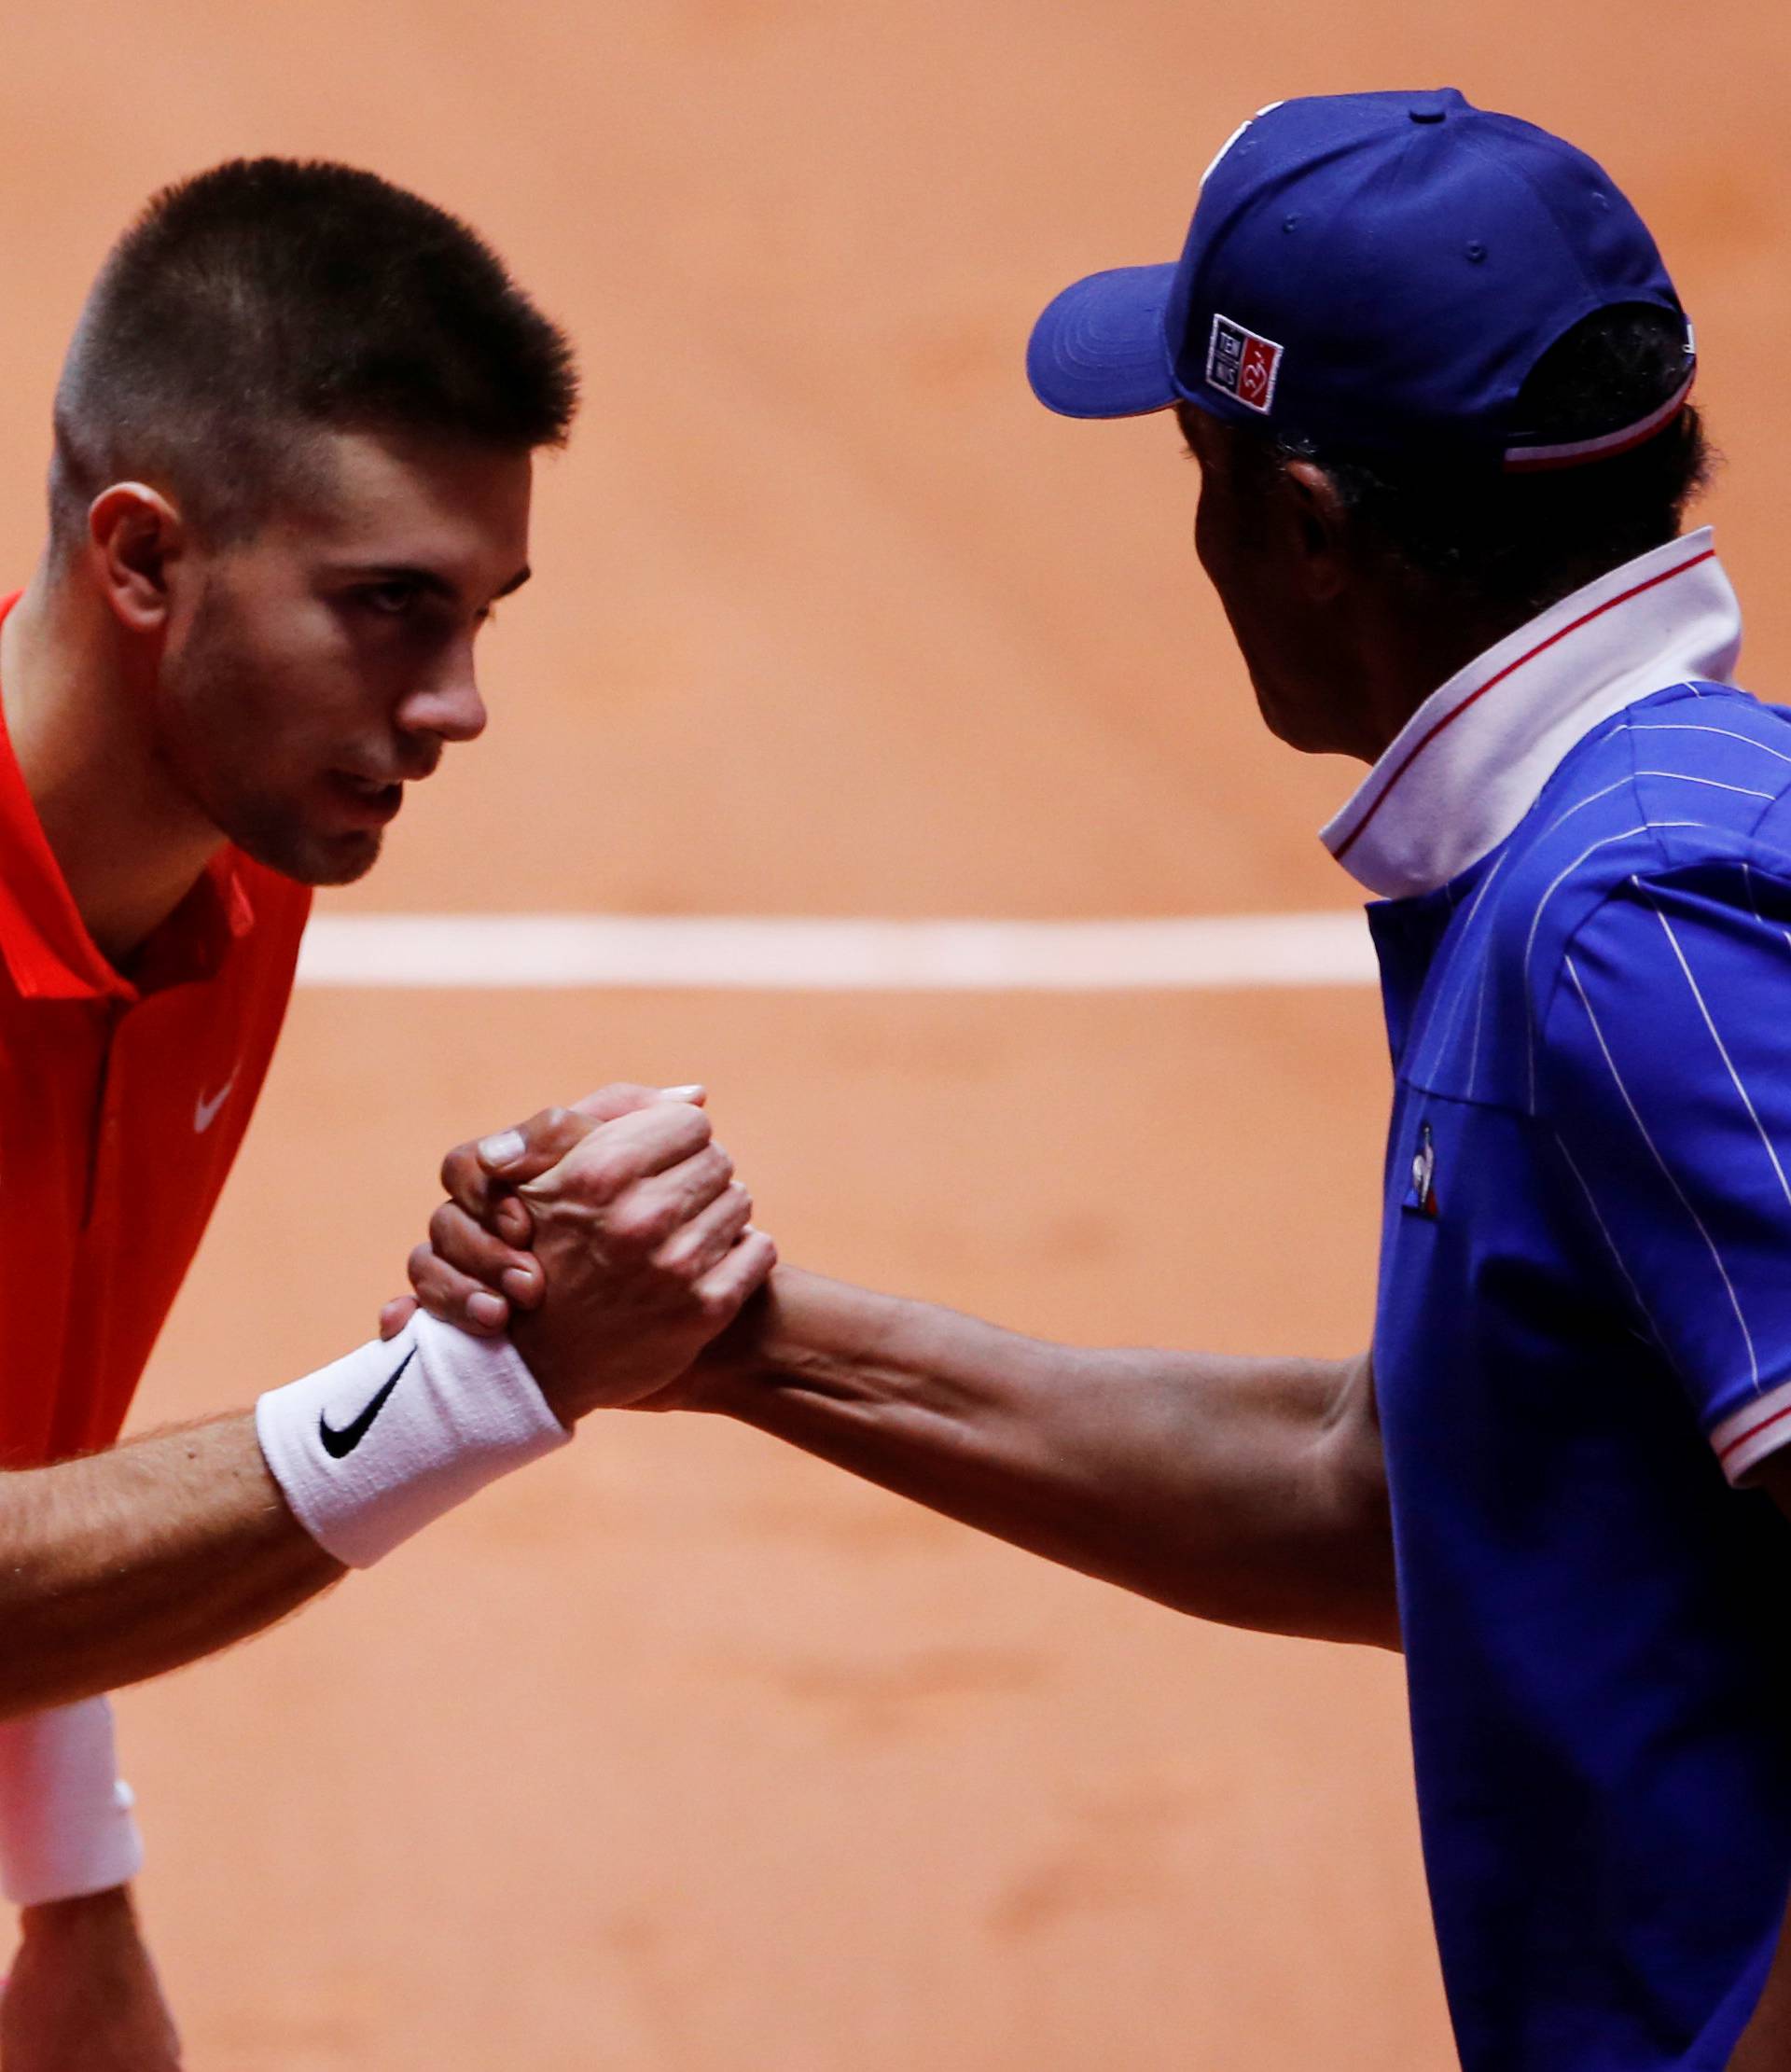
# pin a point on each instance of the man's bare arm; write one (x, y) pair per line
(1248, 1491)
(1251, 1492)
(123, 1564)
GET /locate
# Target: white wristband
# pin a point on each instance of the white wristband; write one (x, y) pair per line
(66, 1828)
(371, 1448)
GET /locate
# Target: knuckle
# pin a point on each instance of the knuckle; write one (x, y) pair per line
(716, 1305)
(601, 1182)
(682, 1243)
(659, 1134)
(632, 1224)
(454, 1168)
(596, 1179)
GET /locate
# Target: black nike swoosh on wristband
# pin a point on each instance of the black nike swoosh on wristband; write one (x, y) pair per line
(338, 1445)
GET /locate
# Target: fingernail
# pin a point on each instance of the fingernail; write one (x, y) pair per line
(682, 1092)
(518, 1282)
(487, 1308)
(500, 1149)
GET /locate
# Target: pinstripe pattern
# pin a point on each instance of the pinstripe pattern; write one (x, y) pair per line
(1684, 726)
(1605, 1231)
(1584, 1322)
(1568, 872)
(1722, 1051)
(1669, 934)
(1671, 1179)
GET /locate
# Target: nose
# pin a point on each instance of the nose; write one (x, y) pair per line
(449, 705)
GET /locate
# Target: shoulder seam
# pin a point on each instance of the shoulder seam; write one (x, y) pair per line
(1777, 799)
(1612, 892)
(1541, 1011)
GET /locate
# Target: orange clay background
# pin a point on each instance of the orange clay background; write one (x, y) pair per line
(683, 1753)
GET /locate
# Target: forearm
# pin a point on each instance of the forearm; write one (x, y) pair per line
(1250, 1492)
(123, 1564)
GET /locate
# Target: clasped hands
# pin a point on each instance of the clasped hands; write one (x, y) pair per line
(611, 1238)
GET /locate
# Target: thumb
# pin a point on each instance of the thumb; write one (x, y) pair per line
(533, 1148)
(396, 1314)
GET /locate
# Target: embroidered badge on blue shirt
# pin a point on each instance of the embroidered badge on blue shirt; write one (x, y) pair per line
(1421, 1196)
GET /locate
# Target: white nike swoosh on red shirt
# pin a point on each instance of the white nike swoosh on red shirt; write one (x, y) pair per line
(205, 1113)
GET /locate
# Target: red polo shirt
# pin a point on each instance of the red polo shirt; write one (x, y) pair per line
(122, 1103)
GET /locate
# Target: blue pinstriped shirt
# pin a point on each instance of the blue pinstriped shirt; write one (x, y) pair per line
(1583, 1331)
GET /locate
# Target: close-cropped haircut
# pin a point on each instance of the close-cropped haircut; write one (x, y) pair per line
(1486, 540)
(253, 305)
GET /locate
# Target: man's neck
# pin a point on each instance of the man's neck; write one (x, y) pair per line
(129, 848)
(1410, 656)
(1413, 647)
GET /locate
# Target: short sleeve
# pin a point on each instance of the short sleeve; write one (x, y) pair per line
(1664, 1071)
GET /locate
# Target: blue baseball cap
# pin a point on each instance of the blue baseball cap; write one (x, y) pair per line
(1376, 274)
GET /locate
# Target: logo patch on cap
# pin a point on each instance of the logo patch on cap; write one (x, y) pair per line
(1241, 365)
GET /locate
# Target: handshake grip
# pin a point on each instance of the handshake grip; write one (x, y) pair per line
(642, 1254)
(611, 1237)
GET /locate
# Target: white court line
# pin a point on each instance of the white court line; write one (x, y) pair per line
(810, 955)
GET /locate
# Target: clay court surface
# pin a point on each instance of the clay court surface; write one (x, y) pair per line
(683, 1753)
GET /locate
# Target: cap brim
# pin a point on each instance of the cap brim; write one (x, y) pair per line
(1098, 350)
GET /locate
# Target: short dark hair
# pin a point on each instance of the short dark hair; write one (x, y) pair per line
(1514, 543)
(253, 303)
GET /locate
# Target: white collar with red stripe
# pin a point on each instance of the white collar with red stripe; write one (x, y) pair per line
(1472, 761)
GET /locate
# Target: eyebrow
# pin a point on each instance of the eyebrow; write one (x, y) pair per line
(429, 580)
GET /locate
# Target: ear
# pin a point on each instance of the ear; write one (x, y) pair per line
(134, 537)
(1321, 524)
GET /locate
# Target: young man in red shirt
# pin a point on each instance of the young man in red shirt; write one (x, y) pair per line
(293, 451)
